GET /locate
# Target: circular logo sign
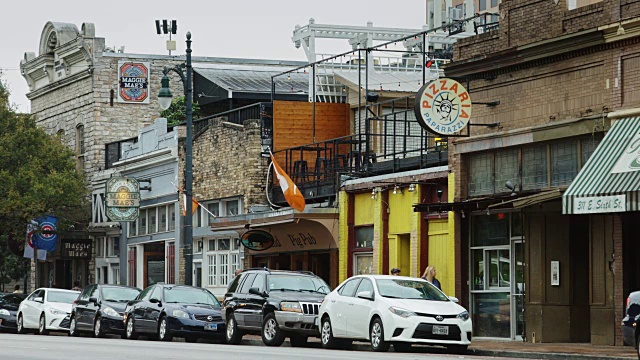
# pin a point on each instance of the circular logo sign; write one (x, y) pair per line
(257, 240)
(443, 107)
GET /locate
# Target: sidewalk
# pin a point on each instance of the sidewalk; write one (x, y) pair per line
(512, 349)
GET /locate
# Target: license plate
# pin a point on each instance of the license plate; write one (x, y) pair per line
(315, 321)
(211, 327)
(440, 330)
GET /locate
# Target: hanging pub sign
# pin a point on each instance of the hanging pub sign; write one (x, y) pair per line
(443, 107)
(133, 82)
(257, 240)
(122, 200)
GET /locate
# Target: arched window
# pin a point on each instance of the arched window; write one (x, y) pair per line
(80, 139)
(60, 134)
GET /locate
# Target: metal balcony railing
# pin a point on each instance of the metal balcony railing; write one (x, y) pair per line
(394, 142)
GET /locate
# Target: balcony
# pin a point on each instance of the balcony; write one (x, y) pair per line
(388, 140)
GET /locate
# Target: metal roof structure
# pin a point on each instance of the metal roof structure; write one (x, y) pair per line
(397, 81)
(215, 82)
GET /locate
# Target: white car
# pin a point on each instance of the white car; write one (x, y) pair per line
(46, 309)
(394, 310)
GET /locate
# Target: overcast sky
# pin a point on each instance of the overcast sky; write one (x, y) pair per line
(235, 28)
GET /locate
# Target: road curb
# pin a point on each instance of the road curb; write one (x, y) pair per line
(541, 355)
(476, 352)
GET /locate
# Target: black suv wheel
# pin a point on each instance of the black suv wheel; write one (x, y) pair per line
(271, 333)
(234, 336)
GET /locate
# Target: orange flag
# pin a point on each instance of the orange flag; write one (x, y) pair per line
(194, 205)
(292, 194)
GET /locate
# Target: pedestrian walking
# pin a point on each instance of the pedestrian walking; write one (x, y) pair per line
(76, 286)
(395, 272)
(16, 289)
(430, 276)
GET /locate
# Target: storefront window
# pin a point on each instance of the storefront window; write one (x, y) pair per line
(481, 174)
(491, 315)
(363, 263)
(212, 270)
(534, 167)
(588, 147)
(364, 237)
(143, 222)
(506, 170)
(162, 214)
(490, 230)
(477, 269)
(133, 228)
(499, 268)
(564, 162)
(172, 217)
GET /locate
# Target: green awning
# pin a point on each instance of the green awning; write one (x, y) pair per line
(610, 181)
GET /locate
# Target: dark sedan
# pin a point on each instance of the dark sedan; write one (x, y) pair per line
(9, 304)
(99, 309)
(165, 311)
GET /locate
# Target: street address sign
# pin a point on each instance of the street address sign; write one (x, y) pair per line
(122, 202)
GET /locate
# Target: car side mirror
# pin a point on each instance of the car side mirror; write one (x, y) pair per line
(155, 301)
(454, 299)
(365, 295)
(93, 300)
(256, 291)
(38, 299)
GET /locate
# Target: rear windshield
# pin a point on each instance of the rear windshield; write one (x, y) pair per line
(62, 297)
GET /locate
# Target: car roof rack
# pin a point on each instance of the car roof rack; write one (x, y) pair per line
(257, 268)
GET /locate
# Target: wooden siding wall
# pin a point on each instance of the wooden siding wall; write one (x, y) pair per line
(293, 124)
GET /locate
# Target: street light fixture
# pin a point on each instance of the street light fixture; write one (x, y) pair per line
(164, 100)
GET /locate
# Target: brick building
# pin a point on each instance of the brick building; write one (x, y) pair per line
(80, 92)
(548, 84)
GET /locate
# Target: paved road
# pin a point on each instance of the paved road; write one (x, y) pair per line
(33, 347)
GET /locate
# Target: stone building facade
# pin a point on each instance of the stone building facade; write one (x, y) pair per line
(553, 93)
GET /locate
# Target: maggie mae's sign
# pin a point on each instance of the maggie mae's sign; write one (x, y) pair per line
(443, 107)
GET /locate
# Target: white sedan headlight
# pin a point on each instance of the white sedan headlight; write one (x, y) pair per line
(57, 312)
(402, 312)
(180, 314)
(109, 311)
(464, 316)
(4, 312)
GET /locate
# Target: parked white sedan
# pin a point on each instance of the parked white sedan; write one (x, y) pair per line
(46, 309)
(394, 310)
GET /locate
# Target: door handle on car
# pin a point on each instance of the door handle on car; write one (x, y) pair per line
(333, 301)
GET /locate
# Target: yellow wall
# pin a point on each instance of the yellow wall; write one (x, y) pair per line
(442, 254)
(400, 210)
(343, 241)
(364, 209)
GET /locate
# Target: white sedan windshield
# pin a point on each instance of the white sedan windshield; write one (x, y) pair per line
(409, 289)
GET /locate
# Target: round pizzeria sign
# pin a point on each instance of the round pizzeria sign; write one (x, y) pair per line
(443, 107)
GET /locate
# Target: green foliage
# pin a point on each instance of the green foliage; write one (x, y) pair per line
(37, 177)
(177, 112)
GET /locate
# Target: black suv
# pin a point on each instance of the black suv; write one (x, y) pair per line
(278, 304)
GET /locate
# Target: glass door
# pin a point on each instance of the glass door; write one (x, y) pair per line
(517, 290)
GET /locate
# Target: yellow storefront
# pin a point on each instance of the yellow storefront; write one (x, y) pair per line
(381, 231)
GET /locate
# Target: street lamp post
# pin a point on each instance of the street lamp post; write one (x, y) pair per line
(164, 99)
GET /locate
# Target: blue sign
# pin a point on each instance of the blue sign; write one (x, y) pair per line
(47, 235)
